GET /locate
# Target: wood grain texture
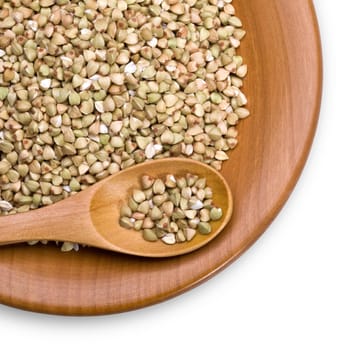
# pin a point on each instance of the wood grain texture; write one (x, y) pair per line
(282, 50)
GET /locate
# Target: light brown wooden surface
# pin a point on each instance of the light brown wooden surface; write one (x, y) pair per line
(283, 86)
(92, 216)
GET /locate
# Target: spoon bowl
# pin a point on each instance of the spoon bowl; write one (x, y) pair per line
(91, 217)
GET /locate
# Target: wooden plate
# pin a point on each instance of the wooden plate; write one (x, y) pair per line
(283, 53)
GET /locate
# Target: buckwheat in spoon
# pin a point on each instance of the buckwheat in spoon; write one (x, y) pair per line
(177, 205)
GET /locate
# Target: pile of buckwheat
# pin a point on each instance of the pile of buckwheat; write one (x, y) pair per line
(88, 88)
(172, 209)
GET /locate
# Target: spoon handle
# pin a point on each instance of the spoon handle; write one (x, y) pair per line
(63, 221)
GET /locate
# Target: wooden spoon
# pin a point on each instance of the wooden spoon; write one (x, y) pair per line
(91, 217)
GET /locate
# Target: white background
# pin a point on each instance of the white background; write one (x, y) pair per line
(289, 291)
